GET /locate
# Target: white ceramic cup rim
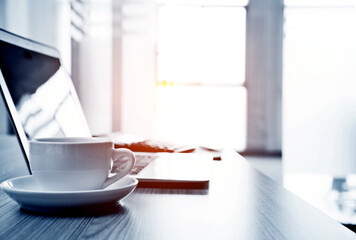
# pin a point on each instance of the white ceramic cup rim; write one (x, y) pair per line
(70, 140)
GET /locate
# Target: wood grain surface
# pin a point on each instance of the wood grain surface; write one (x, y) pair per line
(241, 203)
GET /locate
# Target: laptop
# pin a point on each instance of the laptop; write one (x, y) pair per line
(42, 102)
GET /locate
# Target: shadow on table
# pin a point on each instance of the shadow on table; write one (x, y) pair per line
(84, 211)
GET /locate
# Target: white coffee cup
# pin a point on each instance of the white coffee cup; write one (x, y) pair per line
(72, 164)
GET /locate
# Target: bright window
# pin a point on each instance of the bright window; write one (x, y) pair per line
(200, 75)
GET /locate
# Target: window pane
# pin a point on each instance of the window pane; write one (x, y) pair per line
(206, 46)
(210, 116)
(200, 71)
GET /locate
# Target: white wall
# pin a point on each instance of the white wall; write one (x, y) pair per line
(319, 100)
(94, 65)
(95, 83)
(138, 69)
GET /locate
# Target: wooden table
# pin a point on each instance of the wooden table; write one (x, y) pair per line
(241, 203)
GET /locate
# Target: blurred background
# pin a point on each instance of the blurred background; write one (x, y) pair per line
(272, 79)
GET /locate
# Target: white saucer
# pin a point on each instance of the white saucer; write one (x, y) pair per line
(26, 192)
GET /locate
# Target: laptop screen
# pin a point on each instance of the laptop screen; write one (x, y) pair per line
(42, 93)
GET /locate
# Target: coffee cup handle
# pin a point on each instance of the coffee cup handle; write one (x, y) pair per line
(123, 162)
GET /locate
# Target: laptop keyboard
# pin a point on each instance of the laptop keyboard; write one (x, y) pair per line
(150, 146)
(154, 146)
(141, 162)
